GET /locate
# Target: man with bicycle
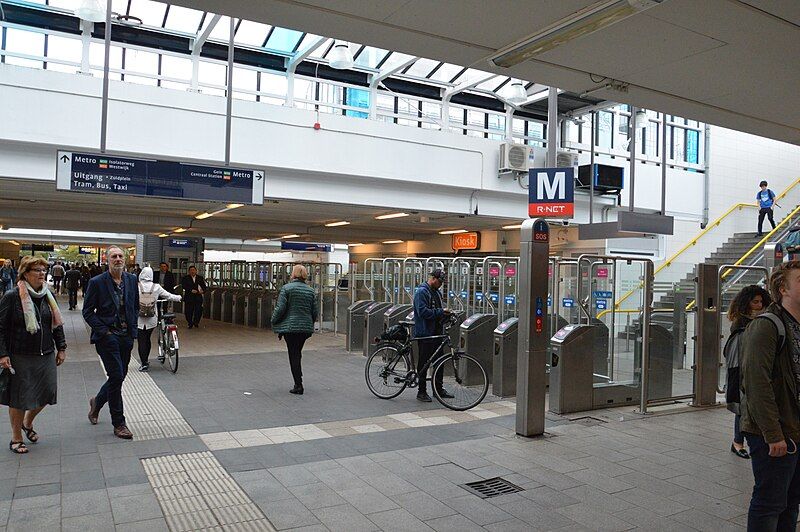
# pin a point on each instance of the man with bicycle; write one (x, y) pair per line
(429, 313)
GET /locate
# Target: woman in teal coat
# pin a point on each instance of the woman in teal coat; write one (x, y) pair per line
(293, 319)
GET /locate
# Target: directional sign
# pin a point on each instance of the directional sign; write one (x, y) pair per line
(110, 174)
(601, 294)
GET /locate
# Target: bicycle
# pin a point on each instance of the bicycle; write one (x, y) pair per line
(167, 336)
(389, 370)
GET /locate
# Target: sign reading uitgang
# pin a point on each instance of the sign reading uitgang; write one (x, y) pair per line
(551, 192)
(466, 241)
(111, 174)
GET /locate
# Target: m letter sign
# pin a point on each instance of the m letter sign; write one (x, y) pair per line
(551, 192)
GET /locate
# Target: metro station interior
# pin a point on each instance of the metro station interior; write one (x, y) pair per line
(582, 177)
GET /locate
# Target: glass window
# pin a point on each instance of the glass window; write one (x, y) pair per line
(97, 58)
(24, 42)
(151, 13)
(184, 19)
(692, 146)
(138, 61)
(303, 89)
(446, 72)
(422, 67)
(212, 74)
(307, 40)
(492, 84)
(251, 33)
(65, 49)
(678, 144)
(470, 74)
(605, 124)
(274, 85)
(244, 78)
(284, 39)
(395, 60)
(221, 31)
(176, 67)
(357, 98)
(370, 57)
(385, 103)
(432, 111)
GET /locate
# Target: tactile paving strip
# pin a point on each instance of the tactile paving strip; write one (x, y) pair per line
(196, 493)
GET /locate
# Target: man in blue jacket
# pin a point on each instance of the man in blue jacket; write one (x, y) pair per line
(428, 316)
(111, 309)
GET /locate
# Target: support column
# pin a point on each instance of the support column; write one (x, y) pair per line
(148, 250)
(552, 127)
(706, 357)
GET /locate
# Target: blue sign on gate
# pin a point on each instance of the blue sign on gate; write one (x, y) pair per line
(601, 304)
(602, 294)
(567, 302)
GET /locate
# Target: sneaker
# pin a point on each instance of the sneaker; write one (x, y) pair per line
(144, 367)
(444, 394)
(424, 397)
(123, 432)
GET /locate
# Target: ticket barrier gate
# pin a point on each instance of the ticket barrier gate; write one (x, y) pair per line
(250, 314)
(504, 366)
(228, 297)
(355, 325)
(574, 387)
(477, 339)
(395, 314)
(373, 325)
(240, 300)
(216, 303)
(264, 307)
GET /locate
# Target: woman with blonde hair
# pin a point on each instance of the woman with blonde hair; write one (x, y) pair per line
(293, 319)
(32, 345)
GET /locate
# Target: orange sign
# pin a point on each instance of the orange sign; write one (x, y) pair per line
(466, 241)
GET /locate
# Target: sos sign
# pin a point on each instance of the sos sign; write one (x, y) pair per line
(551, 192)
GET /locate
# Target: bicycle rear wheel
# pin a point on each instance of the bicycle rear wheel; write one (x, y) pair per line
(453, 371)
(386, 371)
(171, 341)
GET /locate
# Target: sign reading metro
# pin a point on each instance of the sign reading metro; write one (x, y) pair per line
(551, 192)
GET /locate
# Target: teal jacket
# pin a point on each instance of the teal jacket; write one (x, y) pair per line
(296, 310)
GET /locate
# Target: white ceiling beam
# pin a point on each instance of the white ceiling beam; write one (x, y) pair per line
(538, 96)
(303, 54)
(201, 38)
(466, 85)
(388, 72)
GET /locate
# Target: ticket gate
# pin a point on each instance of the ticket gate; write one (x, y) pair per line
(216, 303)
(264, 307)
(455, 330)
(355, 325)
(504, 366)
(226, 313)
(477, 340)
(240, 300)
(373, 325)
(659, 373)
(207, 303)
(250, 314)
(395, 314)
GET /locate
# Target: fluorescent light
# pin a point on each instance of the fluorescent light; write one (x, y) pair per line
(204, 215)
(452, 232)
(393, 215)
(355, 244)
(263, 240)
(584, 22)
(341, 58)
(290, 236)
(517, 93)
(392, 241)
(179, 230)
(14, 242)
(234, 205)
(337, 224)
(518, 226)
(163, 235)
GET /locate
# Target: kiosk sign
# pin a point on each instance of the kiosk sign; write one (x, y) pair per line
(551, 192)
(466, 241)
(110, 174)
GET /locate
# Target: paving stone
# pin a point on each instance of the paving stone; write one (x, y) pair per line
(316, 495)
(599, 481)
(38, 490)
(388, 483)
(661, 506)
(29, 519)
(135, 508)
(422, 505)
(599, 499)
(398, 521)
(478, 510)
(453, 523)
(84, 503)
(547, 497)
(590, 516)
(647, 520)
(150, 525)
(5, 510)
(88, 523)
(287, 513)
(535, 515)
(367, 500)
(33, 475)
(705, 522)
(294, 475)
(42, 501)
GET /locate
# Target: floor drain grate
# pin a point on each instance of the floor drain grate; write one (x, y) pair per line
(491, 487)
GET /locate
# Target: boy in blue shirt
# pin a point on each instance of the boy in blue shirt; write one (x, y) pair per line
(765, 198)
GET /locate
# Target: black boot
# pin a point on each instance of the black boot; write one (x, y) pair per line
(298, 389)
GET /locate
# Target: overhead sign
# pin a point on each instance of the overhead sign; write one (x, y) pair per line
(306, 246)
(551, 192)
(110, 174)
(87, 250)
(180, 243)
(601, 294)
(463, 241)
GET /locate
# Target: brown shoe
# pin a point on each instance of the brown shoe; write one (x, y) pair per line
(123, 432)
(93, 414)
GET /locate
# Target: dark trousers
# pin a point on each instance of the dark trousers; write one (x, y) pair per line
(768, 213)
(144, 341)
(115, 352)
(426, 350)
(776, 493)
(194, 310)
(57, 284)
(294, 343)
(738, 437)
(73, 298)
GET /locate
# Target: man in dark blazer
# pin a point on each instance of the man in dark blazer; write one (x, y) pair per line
(164, 277)
(194, 286)
(111, 309)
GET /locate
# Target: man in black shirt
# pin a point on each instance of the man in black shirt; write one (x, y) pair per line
(164, 277)
(194, 286)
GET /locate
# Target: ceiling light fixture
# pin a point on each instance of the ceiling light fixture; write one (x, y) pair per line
(263, 240)
(341, 58)
(517, 93)
(517, 226)
(204, 215)
(355, 244)
(392, 241)
(290, 236)
(14, 242)
(393, 215)
(337, 224)
(584, 22)
(230, 206)
(179, 230)
(452, 231)
(91, 10)
(163, 235)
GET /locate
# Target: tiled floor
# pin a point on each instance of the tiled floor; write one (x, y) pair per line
(337, 458)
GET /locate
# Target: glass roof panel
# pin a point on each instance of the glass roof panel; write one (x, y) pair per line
(446, 72)
(307, 40)
(471, 74)
(422, 67)
(63, 4)
(493, 83)
(284, 39)
(395, 59)
(252, 33)
(221, 31)
(370, 57)
(151, 13)
(184, 19)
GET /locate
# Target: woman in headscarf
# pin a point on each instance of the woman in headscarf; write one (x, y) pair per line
(149, 293)
(32, 343)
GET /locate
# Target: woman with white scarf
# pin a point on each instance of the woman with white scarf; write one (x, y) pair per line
(32, 345)
(149, 292)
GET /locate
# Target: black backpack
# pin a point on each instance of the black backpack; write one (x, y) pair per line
(732, 357)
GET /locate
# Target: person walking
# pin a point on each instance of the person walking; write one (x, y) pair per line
(85, 276)
(293, 320)
(149, 293)
(194, 286)
(8, 276)
(72, 281)
(58, 273)
(770, 373)
(164, 277)
(111, 309)
(32, 343)
(765, 199)
(429, 314)
(748, 303)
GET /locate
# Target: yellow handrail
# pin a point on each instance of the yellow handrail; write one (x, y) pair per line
(709, 227)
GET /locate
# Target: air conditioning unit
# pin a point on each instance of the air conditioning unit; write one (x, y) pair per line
(564, 159)
(514, 157)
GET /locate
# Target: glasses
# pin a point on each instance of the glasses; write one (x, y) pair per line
(38, 270)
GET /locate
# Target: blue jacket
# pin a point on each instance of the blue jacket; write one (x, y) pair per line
(428, 311)
(100, 308)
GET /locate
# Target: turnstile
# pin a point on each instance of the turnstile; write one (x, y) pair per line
(264, 307)
(504, 366)
(207, 303)
(478, 341)
(240, 300)
(251, 308)
(659, 373)
(228, 296)
(373, 325)
(355, 325)
(216, 303)
(395, 314)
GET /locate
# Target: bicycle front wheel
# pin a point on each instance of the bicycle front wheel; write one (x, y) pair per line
(461, 376)
(387, 371)
(172, 350)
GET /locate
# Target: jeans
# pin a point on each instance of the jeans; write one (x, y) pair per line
(115, 352)
(765, 212)
(738, 437)
(776, 493)
(144, 340)
(193, 308)
(57, 284)
(294, 343)
(426, 350)
(73, 298)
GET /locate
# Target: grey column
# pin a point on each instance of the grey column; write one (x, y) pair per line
(552, 126)
(148, 250)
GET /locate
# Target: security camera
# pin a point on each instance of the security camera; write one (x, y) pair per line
(564, 222)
